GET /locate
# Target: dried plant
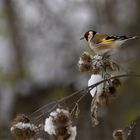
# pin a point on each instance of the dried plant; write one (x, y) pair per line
(59, 125)
(94, 112)
(75, 111)
(22, 129)
(60, 120)
(97, 64)
(128, 130)
(102, 95)
(123, 134)
(101, 68)
(119, 135)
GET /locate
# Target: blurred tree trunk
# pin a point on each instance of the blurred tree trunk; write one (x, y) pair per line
(16, 37)
(103, 131)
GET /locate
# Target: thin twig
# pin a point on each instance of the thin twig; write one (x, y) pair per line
(76, 103)
(46, 105)
(39, 117)
(85, 89)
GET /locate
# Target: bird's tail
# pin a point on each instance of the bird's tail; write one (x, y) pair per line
(133, 37)
(126, 37)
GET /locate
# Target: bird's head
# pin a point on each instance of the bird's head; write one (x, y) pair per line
(88, 35)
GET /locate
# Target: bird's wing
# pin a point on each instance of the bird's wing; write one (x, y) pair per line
(106, 39)
(113, 38)
(98, 38)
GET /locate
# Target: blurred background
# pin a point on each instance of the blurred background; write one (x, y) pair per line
(39, 50)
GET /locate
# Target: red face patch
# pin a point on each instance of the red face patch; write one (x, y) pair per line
(86, 35)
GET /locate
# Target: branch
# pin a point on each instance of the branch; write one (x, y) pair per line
(53, 103)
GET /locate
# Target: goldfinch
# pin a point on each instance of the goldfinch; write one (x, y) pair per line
(101, 43)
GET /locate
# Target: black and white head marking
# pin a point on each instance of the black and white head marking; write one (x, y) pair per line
(89, 35)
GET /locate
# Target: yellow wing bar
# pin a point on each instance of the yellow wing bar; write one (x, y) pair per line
(107, 40)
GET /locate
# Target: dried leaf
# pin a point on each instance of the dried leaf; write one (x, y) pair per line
(94, 112)
(75, 111)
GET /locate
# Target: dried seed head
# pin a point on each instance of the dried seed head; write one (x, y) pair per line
(61, 119)
(62, 133)
(105, 64)
(97, 64)
(86, 65)
(59, 125)
(119, 135)
(20, 118)
(22, 129)
(86, 57)
(85, 62)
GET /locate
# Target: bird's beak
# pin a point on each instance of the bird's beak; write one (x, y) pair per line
(82, 38)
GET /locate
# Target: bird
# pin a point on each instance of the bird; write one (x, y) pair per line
(101, 44)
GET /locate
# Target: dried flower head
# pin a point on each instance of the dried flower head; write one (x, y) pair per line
(22, 129)
(119, 135)
(85, 64)
(62, 118)
(86, 57)
(59, 125)
(97, 64)
(21, 118)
